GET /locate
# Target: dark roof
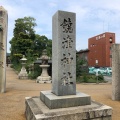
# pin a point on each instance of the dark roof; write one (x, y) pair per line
(40, 61)
(81, 51)
(8, 54)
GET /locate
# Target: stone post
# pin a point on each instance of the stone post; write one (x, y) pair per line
(3, 47)
(64, 53)
(116, 72)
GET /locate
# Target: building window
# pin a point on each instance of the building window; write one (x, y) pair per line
(110, 39)
(103, 35)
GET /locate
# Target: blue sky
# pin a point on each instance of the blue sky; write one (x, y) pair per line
(93, 17)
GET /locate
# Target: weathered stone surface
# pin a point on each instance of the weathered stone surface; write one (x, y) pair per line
(52, 101)
(23, 73)
(37, 110)
(3, 47)
(44, 77)
(116, 72)
(64, 53)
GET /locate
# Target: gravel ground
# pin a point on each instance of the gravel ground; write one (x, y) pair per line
(12, 103)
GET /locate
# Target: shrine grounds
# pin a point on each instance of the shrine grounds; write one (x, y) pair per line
(12, 103)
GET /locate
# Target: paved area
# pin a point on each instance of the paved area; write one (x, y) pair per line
(108, 78)
(12, 103)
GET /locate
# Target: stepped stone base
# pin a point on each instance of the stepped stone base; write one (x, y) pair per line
(52, 101)
(23, 76)
(37, 110)
(42, 79)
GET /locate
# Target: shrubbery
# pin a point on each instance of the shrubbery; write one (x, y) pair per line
(90, 78)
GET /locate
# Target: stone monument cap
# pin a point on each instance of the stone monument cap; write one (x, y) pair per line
(23, 59)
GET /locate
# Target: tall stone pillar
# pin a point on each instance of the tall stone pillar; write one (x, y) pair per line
(116, 72)
(64, 53)
(3, 47)
(63, 93)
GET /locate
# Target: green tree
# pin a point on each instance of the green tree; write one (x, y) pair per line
(41, 43)
(80, 66)
(24, 36)
(26, 42)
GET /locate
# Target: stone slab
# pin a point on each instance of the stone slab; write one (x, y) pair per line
(64, 53)
(36, 110)
(52, 101)
(42, 79)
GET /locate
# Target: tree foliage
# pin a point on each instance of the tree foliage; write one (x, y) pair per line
(80, 68)
(41, 43)
(26, 42)
(24, 36)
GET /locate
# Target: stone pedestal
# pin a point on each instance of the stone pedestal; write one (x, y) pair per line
(53, 101)
(23, 73)
(36, 110)
(44, 78)
(116, 72)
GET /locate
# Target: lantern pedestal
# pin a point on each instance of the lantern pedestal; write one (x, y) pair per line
(44, 78)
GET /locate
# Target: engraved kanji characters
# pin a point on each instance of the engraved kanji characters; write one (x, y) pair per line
(67, 42)
(66, 59)
(67, 26)
(66, 79)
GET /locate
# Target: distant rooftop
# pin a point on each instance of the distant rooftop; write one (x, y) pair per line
(81, 51)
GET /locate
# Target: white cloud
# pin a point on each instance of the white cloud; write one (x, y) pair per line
(52, 4)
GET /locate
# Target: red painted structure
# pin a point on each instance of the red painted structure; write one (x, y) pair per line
(100, 49)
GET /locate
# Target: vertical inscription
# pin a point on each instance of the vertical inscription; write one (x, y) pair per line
(64, 53)
(66, 56)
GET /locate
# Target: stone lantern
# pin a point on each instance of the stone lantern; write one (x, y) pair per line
(23, 73)
(44, 77)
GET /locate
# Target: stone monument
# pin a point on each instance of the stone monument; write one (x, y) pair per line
(64, 54)
(23, 73)
(116, 72)
(63, 102)
(44, 77)
(3, 47)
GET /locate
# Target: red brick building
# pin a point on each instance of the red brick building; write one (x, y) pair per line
(100, 49)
